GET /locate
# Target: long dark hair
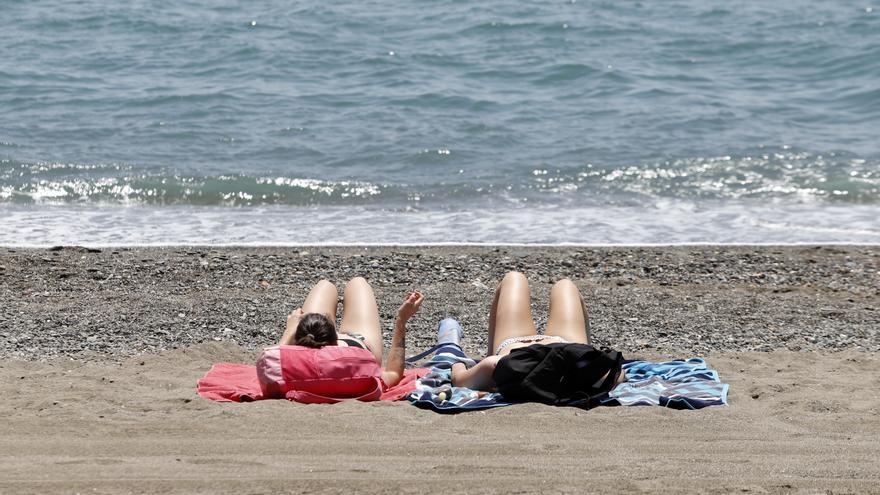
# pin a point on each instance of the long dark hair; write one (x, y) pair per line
(315, 330)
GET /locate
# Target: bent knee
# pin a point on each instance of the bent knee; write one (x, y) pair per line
(357, 283)
(514, 277)
(324, 283)
(564, 284)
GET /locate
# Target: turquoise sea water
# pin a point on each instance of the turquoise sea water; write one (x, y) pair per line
(439, 121)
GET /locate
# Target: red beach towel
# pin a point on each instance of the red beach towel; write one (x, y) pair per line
(232, 382)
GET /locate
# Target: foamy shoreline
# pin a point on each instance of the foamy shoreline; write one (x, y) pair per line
(672, 222)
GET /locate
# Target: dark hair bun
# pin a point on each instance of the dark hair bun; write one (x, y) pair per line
(315, 330)
(308, 340)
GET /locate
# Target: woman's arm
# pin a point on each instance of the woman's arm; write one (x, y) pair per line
(289, 331)
(393, 372)
(478, 377)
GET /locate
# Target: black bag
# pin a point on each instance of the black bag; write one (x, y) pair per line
(557, 374)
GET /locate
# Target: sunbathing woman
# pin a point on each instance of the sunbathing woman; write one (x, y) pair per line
(511, 326)
(314, 324)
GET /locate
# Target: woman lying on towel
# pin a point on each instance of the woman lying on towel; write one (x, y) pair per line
(314, 324)
(515, 343)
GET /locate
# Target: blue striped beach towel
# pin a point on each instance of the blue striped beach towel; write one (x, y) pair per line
(678, 384)
(435, 390)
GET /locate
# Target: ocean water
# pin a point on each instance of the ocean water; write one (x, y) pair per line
(575, 121)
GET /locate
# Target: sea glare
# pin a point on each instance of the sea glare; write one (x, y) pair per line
(499, 121)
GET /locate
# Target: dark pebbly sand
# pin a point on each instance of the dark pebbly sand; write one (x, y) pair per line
(100, 351)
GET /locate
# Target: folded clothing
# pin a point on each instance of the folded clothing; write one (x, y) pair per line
(557, 374)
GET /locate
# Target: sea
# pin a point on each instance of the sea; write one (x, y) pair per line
(563, 122)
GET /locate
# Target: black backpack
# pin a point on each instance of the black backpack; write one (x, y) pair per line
(558, 374)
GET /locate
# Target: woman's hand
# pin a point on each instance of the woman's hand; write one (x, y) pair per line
(292, 322)
(296, 314)
(294, 317)
(410, 305)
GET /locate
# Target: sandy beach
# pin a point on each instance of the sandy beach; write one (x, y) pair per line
(100, 351)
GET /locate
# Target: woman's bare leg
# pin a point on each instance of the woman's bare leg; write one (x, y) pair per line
(511, 314)
(568, 314)
(322, 299)
(360, 314)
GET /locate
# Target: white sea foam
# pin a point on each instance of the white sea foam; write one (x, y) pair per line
(668, 223)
